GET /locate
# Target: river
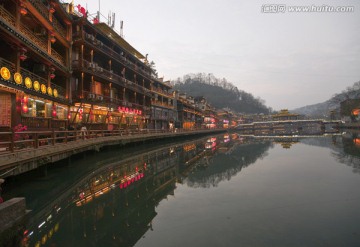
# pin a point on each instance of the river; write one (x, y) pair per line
(223, 190)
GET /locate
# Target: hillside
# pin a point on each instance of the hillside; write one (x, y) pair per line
(323, 109)
(220, 93)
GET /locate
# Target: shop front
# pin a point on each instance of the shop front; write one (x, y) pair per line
(105, 118)
(30, 103)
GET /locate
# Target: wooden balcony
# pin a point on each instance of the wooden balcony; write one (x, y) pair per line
(37, 41)
(25, 73)
(93, 98)
(162, 92)
(90, 39)
(162, 104)
(107, 75)
(44, 11)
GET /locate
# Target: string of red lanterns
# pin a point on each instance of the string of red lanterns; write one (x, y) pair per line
(129, 110)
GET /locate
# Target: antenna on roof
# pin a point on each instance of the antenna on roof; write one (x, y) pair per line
(113, 21)
(109, 19)
(121, 29)
(98, 13)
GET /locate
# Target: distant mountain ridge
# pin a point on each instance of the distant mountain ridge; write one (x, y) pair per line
(324, 108)
(220, 93)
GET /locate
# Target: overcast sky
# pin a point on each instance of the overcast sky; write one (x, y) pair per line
(288, 59)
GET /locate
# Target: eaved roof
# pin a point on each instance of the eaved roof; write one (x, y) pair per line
(118, 39)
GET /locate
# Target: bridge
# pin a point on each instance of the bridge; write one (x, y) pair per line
(21, 152)
(286, 127)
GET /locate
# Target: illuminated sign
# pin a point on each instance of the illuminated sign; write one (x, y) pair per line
(18, 78)
(28, 82)
(55, 93)
(49, 91)
(5, 73)
(36, 85)
(43, 88)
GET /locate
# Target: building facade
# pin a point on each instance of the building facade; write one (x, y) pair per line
(111, 81)
(35, 48)
(163, 106)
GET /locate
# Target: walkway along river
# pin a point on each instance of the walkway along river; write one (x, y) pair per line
(30, 150)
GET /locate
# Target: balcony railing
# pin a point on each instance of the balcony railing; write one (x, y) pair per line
(160, 91)
(57, 56)
(98, 98)
(25, 73)
(44, 11)
(60, 29)
(109, 75)
(93, 41)
(7, 16)
(39, 42)
(159, 103)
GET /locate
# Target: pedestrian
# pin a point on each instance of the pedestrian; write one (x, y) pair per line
(83, 131)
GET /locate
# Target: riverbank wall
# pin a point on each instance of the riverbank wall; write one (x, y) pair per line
(27, 159)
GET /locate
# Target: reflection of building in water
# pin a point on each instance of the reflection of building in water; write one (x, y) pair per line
(114, 205)
(286, 142)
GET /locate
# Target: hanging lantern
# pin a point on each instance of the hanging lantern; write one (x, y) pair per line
(22, 57)
(54, 111)
(52, 38)
(23, 10)
(69, 116)
(52, 70)
(52, 8)
(25, 108)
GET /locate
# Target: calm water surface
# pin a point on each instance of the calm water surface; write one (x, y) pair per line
(223, 190)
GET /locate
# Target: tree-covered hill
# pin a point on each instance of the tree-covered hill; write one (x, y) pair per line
(323, 109)
(220, 93)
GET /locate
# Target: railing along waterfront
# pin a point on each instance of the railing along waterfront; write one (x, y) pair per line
(11, 142)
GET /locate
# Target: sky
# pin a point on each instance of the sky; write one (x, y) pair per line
(288, 59)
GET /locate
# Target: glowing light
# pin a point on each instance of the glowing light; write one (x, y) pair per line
(43, 223)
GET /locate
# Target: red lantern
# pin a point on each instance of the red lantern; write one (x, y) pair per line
(52, 38)
(54, 111)
(23, 10)
(22, 57)
(52, 9)
(25, 108)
